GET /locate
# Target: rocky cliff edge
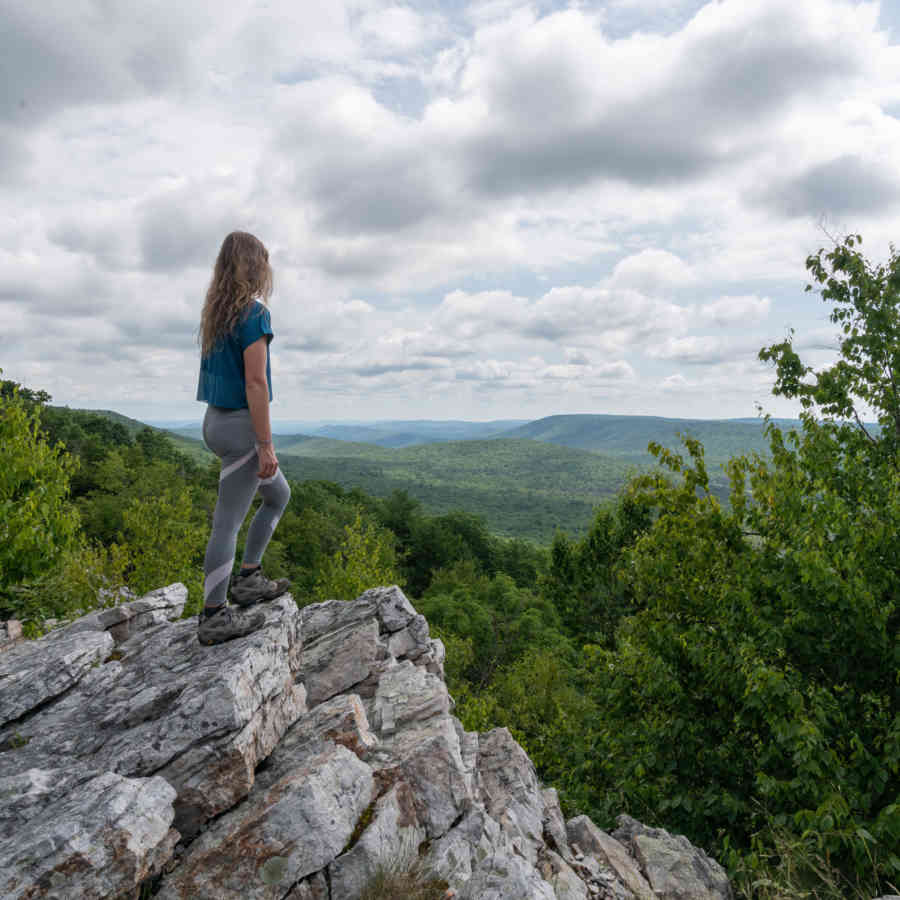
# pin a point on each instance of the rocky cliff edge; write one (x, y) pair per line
(287, 765)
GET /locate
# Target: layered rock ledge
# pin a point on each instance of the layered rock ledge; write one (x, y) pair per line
(286, 765)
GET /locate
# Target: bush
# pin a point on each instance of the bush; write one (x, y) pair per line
(165, 543)
(37, 523)
(754, 693)
(86, 577)
(365, 558)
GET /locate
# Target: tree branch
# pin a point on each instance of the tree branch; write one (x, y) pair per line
(862, 427)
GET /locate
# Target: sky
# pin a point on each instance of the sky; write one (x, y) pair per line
(479, 210)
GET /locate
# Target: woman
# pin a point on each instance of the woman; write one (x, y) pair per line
(236, 382)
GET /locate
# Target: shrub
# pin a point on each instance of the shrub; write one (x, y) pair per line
(364, 559)
(37, 524)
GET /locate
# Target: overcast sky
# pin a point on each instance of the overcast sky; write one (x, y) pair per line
(474, 210)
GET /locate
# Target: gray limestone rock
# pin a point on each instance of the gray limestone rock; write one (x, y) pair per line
(561, 877)
(457, 853)
(554, 825)
(89, 836)
(510, 790)
(391, 838)
(339, 660)
(10, 633)
(313, 888)
(608, 851)
(407, 694)
(394, 610)
(410, 642)
(201, 717)
(341, 720)
(319, 619)
(165, 604)
(33, 672)
(429, 760)
(503, 876)
(121, 731)
(279, 835)
(433, 660)
(675, 868)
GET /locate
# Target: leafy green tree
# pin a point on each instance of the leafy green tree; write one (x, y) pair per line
(37, 523)
(866, 308)
(11, 389)
(365, 559)
(438, 542)
(165, 543)
(501, 620)
(756, 689)
(585, 580)
(538, 698)
(86, 576)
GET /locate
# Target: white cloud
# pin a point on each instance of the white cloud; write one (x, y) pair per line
(674, 383)
(540, 200)
(729, 310)
(691, 349)
(652, 271)
(398, 28)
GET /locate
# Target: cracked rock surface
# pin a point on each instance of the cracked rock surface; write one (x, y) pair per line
(292, 763)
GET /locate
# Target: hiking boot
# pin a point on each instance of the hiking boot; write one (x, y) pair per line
(254, 587)
(225, 624)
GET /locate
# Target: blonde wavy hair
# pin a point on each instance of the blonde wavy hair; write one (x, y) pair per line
(241, 275)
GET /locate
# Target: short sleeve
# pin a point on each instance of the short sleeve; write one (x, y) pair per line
(257, 324)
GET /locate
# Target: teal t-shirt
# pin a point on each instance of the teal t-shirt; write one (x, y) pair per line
(222, 381)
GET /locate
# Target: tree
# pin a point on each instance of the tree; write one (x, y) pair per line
(365, 559)
(165, 542)
(584, 579)
(37, 524)
(866, 308)
(756, 690)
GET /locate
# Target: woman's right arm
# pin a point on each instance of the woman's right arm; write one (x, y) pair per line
(258, 400)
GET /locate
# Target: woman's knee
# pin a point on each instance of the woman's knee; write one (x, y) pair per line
(285, 494)
(276, 493)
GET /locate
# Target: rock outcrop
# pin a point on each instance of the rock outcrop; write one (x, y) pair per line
(288, 764)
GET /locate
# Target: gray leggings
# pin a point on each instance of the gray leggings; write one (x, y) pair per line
(229, 434)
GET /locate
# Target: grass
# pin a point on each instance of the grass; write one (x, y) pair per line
(795, 868)
(406, 878)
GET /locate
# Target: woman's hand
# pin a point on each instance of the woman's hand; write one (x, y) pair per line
(268, 462)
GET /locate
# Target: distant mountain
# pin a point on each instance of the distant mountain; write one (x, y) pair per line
(528, 481)
(184, 441)
(389, 433)
(189, 431)
(408, 433)
(132, 426)
(628, 436)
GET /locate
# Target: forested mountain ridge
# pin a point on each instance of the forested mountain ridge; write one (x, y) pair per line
(189, 443)
(629, 435)
(521, 488)
(403, 433)
(626, 435)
